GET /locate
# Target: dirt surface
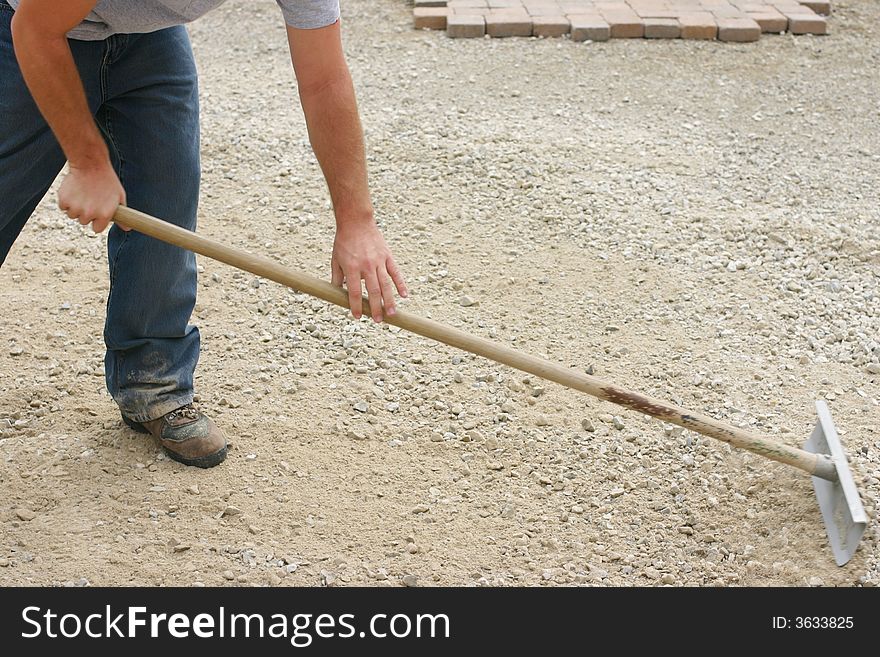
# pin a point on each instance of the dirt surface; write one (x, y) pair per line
(697, 221)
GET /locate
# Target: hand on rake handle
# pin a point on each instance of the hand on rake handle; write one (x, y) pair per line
(90, 195)
(361, 254)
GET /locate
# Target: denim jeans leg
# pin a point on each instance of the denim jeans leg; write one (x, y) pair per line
(30, 157)
(151, 117)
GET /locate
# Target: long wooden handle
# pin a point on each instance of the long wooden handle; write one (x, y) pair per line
(818, 465)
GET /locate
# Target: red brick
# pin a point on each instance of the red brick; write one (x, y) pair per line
(544, 10)
(727, 12)
(698, 25)
(807, 24)
(819, 6)
(550, 26)
(662, 28)
(500, 25)
(431, 18)
(770, 20)
(653, 9)
(570, 8)
(463, 26)
(738, 29)
(623, 24)
(589, 28)
(469, 11)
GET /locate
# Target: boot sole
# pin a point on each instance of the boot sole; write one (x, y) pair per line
(208, 461)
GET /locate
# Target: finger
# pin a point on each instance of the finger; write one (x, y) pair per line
(397, 277)
(336, 275)
(387, 292)
(98, 225)
(375, 294)
(354, 295)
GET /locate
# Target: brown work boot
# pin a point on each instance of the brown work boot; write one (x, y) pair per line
(187, 435)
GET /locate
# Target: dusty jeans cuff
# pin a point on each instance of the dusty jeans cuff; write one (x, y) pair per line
(158, 409)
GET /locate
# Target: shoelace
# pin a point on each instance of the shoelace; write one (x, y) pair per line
(189, 412)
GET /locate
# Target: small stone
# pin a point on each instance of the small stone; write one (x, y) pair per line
(16, 350)
(361, 407)
(587, 425)
(410, 580)
(668, 578)
(421, 508)
(25, 514)
(542, 421)
(354, 434)
(607, 418)
(466, 301)
(495, 465)
(617, 422)
(193, 490)
(816, 581)
(874, 368)
(231, 511)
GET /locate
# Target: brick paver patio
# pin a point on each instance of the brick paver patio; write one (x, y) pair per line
(599, 20)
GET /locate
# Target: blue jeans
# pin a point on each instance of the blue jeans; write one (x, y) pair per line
(143, 92)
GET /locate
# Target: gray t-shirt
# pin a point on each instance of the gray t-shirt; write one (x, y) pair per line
(133, 16)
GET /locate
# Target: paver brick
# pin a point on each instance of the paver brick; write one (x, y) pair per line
(464, 26)
(469, 11)
(770, 20)
(819, 6)
(589, 28)
(624, 24)
(738, 29)
(508, 25)
(662, 28)
(550, 26)
(698, 25)
(807, 24)
(431, 18)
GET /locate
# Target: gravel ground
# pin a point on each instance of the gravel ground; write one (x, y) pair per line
(697, 221)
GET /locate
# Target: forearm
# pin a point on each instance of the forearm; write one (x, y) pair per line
(48, 68)
(337, 139)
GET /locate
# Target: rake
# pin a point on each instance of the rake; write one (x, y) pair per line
(823, 456)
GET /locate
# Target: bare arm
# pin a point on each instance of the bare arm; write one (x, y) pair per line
(39, 27)
(328, 101)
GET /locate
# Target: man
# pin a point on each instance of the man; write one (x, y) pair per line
(110, 86)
